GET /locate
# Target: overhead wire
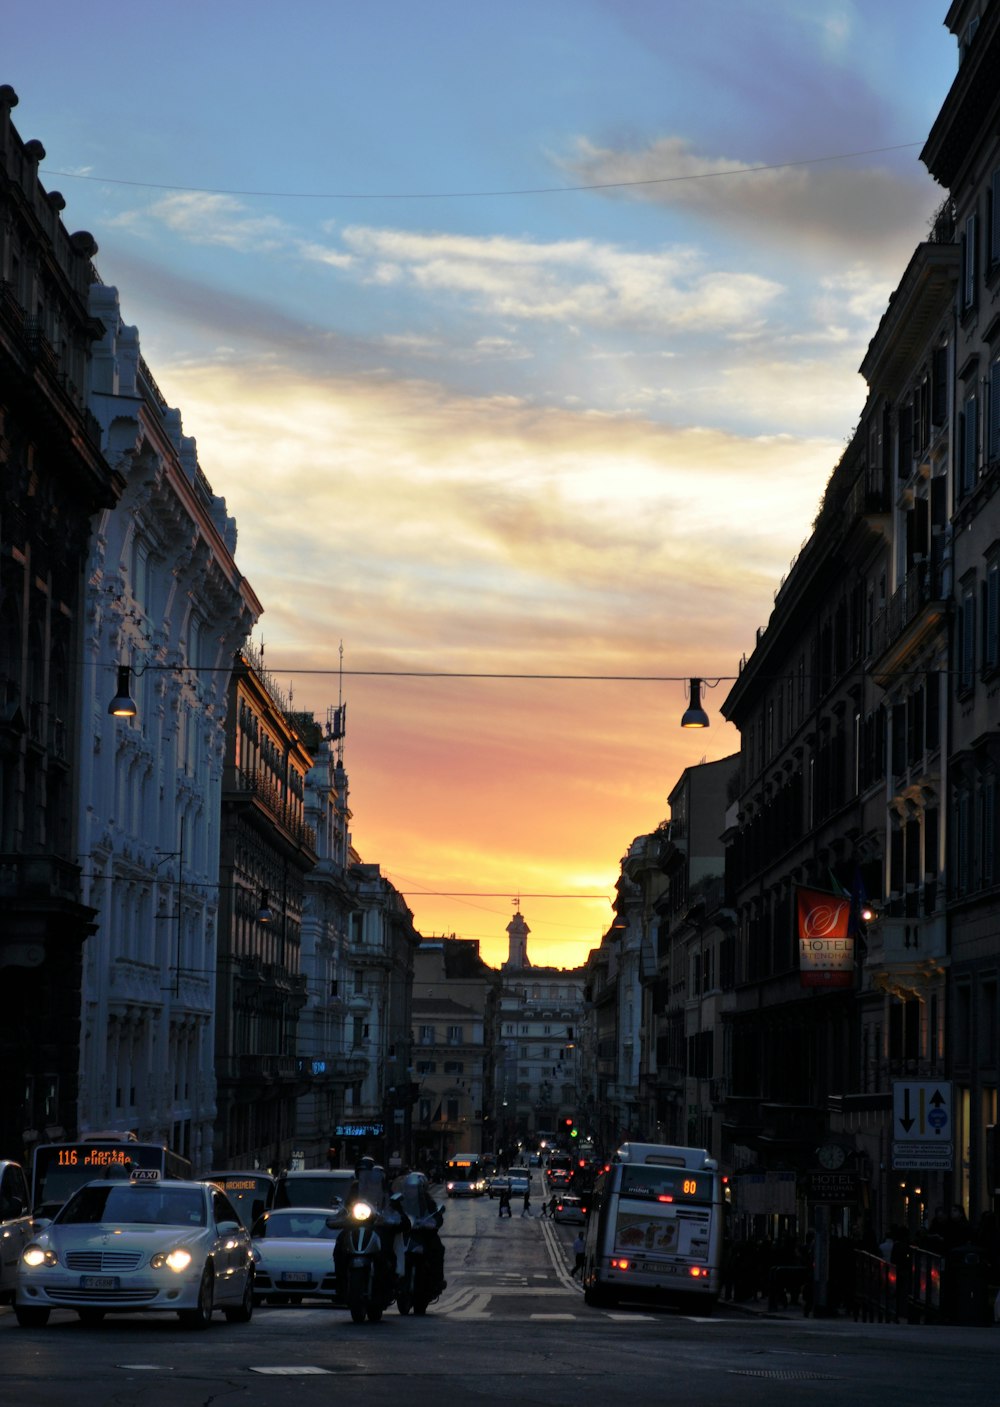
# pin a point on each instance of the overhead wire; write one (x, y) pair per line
(479, 194)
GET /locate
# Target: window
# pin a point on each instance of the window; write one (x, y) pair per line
(969, 450)
(427, 1067)
(991, 614)
(967, 637)
(455, 1035)
(425, 1035)
(969, 268)
(993, 428)
(359, 980)
(453, 1067)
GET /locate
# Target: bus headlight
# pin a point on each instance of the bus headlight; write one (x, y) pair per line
(173, 1260)
(34, 1255)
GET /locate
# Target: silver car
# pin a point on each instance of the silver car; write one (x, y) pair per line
(293, 1255)
(16, 1225)
(142, 1245)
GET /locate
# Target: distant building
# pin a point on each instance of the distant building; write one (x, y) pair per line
(454, 999)
(267, 850)
(538, 1079)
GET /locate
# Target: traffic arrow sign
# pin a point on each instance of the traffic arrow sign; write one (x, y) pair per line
(921, 1111)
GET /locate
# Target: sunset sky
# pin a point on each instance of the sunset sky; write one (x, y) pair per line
(521, 339)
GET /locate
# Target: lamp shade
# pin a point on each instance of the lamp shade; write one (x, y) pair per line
(123, 705)
(694, 715)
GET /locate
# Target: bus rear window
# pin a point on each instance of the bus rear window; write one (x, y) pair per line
(676, 1185)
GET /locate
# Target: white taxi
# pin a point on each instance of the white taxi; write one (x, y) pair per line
(142, 1245)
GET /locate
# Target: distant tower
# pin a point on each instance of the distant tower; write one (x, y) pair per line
(517, 931)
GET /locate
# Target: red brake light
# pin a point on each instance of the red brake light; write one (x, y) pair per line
(619, 1265)
(664, 1197)
(696, 1270)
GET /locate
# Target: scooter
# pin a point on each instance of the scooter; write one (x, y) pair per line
(365, 1261)
(422, 1279)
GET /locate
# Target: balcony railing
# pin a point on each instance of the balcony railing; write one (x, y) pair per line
(260, 785)
(921, 587)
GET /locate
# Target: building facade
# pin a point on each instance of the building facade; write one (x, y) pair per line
(454, 999)
(538, 1073)
(963, 154)
(53, 480)
(267, 850)
(165, 599)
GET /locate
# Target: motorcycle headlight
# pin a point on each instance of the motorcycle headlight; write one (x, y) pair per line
(173, 1260)
(361, 1211)
(38, 1255)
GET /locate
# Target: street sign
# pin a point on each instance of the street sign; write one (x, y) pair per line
(923, 1157)
(922, 1128)
(921, 1111)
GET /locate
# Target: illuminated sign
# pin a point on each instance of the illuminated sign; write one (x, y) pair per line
(94, 1157)
(360, 1130)
(666, 1184)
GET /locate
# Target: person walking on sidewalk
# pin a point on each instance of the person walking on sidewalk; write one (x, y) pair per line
(577, 1255)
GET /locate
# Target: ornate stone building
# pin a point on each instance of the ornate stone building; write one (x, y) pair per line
(165, 601)
(53, 479)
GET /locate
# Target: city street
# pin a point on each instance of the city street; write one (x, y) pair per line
(511, 1327)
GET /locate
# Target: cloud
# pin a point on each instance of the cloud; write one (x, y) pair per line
(581, 282)
(822, 207)
(205, 218)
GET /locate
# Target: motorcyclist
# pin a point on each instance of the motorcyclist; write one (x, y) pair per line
(411, 1194)
(369, 1187)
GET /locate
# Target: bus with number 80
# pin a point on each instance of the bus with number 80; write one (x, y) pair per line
(656, 1227)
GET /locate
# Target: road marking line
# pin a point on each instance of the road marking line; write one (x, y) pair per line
(552, 1316)
(292, 1370)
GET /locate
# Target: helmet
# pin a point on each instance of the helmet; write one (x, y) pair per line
(365, 1164)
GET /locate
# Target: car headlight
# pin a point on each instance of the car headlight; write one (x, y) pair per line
(173, 1260)
(38, 1255)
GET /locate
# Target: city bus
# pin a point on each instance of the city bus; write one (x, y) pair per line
(464, 1175)
(656, 1227)
(58, 1169)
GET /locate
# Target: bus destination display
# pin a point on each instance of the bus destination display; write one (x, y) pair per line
(677, 1184)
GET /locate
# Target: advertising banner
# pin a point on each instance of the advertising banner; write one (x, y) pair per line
(826, 947)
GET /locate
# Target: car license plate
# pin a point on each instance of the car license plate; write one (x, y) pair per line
(98, 1282)
(295, 1277)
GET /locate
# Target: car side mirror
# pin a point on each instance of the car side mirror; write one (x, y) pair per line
(228, 1228)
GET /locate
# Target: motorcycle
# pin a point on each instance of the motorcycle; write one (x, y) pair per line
(364, 1258)
(422, 1279)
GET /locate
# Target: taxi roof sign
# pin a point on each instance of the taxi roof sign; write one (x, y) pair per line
(144, 1175)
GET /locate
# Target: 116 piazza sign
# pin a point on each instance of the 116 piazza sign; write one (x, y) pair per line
(826, 948)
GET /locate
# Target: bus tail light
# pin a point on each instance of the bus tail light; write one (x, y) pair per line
(619, 1265)
(695, 1270)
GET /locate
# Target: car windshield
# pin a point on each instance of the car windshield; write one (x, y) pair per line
(137, 1206)
(295, 1225)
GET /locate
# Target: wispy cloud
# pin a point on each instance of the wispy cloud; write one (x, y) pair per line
(819, 208)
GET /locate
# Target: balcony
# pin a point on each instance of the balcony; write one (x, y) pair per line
(909, 940)
(913, 612)
(267, 1069)
(913, 955)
